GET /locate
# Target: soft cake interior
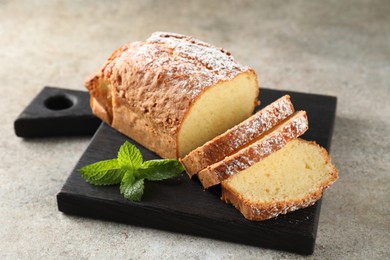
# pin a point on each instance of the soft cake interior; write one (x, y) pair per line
(290, 173)
(219, 108)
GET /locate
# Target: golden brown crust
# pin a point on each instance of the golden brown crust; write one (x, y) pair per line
(238, 136)
(99, 111)
(159, 80)
(261, 211)
(255, 152)
(131, 124)
(100, 89)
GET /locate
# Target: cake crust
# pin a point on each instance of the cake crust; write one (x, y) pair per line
(292, 128)
(238, 136)
(257, 211)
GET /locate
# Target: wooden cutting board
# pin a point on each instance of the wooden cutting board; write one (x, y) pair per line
(182, 205)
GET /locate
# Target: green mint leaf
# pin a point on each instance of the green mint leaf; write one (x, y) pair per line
(132, 188)
(129, 156)
(156, 170)
(106, 172)
(130, 171)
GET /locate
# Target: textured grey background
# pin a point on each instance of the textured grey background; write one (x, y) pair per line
(339, 48)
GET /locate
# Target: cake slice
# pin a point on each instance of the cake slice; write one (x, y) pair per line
(235, 138)
(292, 178)
(291, 128)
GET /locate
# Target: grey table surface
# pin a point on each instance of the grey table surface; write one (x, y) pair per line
(339, 48)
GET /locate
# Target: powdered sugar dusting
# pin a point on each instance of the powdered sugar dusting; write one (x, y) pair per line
(259, 123)
(183, 59)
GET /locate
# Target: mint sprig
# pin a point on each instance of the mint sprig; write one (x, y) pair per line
(130, 171)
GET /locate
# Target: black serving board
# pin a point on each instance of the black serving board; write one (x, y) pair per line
(182, 205)
(57, 112)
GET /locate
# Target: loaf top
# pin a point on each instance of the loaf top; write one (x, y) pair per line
(162, 77)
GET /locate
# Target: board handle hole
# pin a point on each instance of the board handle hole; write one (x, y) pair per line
(59, 102)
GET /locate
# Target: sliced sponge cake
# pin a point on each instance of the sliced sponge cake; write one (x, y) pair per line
(256, 151)
(292, 178)
(240, 135)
